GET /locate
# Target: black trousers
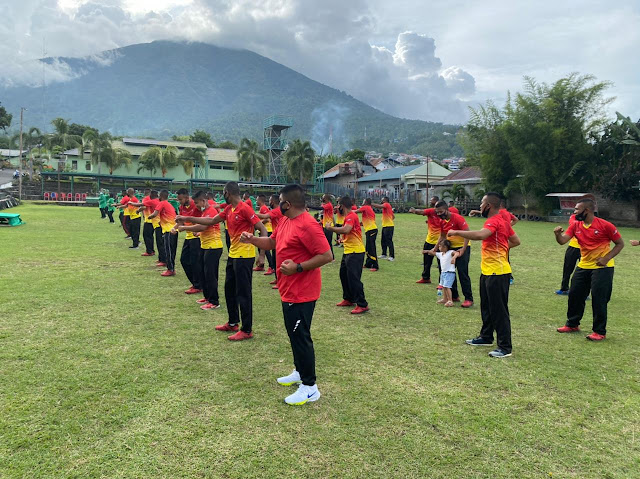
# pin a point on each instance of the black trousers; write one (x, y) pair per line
(211, 265)
(350, 274)
(426, 261)
(297, 321)
(387, 241)
(134, 230)
(110, 215)
(147, 236)
(162, 254)
(600, 283)
(370, 246)
(462, 268)
(170, 246)
(103, 212)
(494, 308)
(329, 235)
(227, 239)
(124, 219)
(571, 258)
(189, 259)
(237, 292)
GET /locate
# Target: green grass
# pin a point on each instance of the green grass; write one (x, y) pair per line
(109, 370)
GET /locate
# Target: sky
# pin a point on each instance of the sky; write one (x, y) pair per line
(419, 59)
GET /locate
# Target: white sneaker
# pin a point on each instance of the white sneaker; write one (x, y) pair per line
(303, 395)
(390, 258)
(291, 379)
(382, 256)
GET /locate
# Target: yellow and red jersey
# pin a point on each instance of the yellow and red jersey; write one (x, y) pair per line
(495, 249)
(433, 226)
(327, 214)
(594, 240)
(455, 222)
(167, 215)
(387, 215)
(276, 216)
(124, 202)
(264, 210)
(211, 237)
(368, 218)
(352, 241)
(573, 242)
(239, 219)
(339, 217)
(189, 210)
(149, 208)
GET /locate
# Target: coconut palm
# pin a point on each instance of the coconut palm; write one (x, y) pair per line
(191, 157)
(148, 164)
(97, 144)
(114, 158)
(62, 136)
(456, 192)
(299, 159)
(32, 139)
(252, 161)
(162, 158)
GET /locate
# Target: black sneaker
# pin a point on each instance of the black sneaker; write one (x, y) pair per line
(499, 353)
(479, 341)
(133, 247)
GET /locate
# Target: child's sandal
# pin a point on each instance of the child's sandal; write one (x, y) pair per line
(449, 304)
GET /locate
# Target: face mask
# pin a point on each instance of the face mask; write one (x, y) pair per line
(283, 210)
(581, 216)
(442, 216)
(485, 212)
(226, 198)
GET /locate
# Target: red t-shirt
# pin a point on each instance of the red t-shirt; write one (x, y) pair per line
(249, 202)
(264, 209)
(433, 226)
(275, 215)
(189, 210)
(210, 238)
(495, 249)
(455, 210)
(352, 241)
(368, 218)
(149, 205)
(594, 240)
(239, 219)
(167, 214)
(456, 222)
(299, 239)
(327, 214)
(506, 215)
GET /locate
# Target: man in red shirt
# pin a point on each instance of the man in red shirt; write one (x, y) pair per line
(453, 221)
(571, 258)
(497, 238)
(370, 233)
(237, 286)
(247, 199)
(167, 214)
(595, 269)
(433, 234)
(189, 257)
(387, 229)
(452, 207)
(274, 215)
(352, 259)
(157, 230)
(302, 249)
(261, 202)
(147, 229)
(327, 219)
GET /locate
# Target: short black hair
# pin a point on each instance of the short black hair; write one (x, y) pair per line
(198, 195)
(437, 198)
(183, 191)
(164, 193)
(494, 198)
(385, 198)
(275, 199)
(446, 243)
(346, 202)
(441, 204)
(147, 190)
(209, 194)
(588, 203)
(367, 201)
(232, 188)
(261, 197)
(153, 193)
(294, 194)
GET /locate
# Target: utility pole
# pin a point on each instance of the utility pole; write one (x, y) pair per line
(22, 109)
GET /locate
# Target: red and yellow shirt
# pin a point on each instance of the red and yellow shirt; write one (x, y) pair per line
(352, 242)
(264, 210)
(455, 222)
(453, 209)
(573, 242)
(239, 219)
(124, 202)
(594, 240)
(299, 239)
(149, 208)
(327, 214)
(507, 216)
(495, 249)
(189, 210)
(368, 218)
(339, 217)
(167, 215)
(211, 237)
(387, 215)
(275, 215)
(433, 226)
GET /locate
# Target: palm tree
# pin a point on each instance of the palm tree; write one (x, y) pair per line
(32, 139)
(251, 160)
(191, 157)
(62, 137)
(86, 141)
(456, 192)
(114, 158)
(162, 158)
(97, 144)
(299, 158)
(148, 164)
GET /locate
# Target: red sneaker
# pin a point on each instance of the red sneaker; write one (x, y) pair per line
(168, 273)
(209, 306)
(275, 286)
(269, 272)
(360, 310)
(568, 329)
(373, 269)
(240, 336)
(596, 337)
(161, 265)
(202, 301)
(148, 254)
(467, 304)
(275, 281)
(259, 268)
(423, 281)
(227, 327)
(192, 290)
(344, 302)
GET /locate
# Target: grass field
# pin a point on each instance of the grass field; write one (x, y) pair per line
(110, 371)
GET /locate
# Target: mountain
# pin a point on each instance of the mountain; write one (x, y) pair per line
(166, 88)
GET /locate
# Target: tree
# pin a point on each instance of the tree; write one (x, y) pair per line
(99, 143)
(5, 118)
(299, 159)
(148, 164)
(114, 158)
(191, 157)
(201, 136)
(456, 192)
(353, 155)
(227, 145)
(330, 161)
(79, 130)
(32, 139)
(162, 158)
(251, 160)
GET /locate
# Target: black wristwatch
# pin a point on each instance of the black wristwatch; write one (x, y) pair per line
(299, 268)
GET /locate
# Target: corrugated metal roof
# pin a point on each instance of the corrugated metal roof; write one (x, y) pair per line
(335, 171)
(221, 154)
(177, 144)
(390, 173)
(464, 174)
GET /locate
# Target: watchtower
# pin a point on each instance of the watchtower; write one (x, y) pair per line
(275, 143)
